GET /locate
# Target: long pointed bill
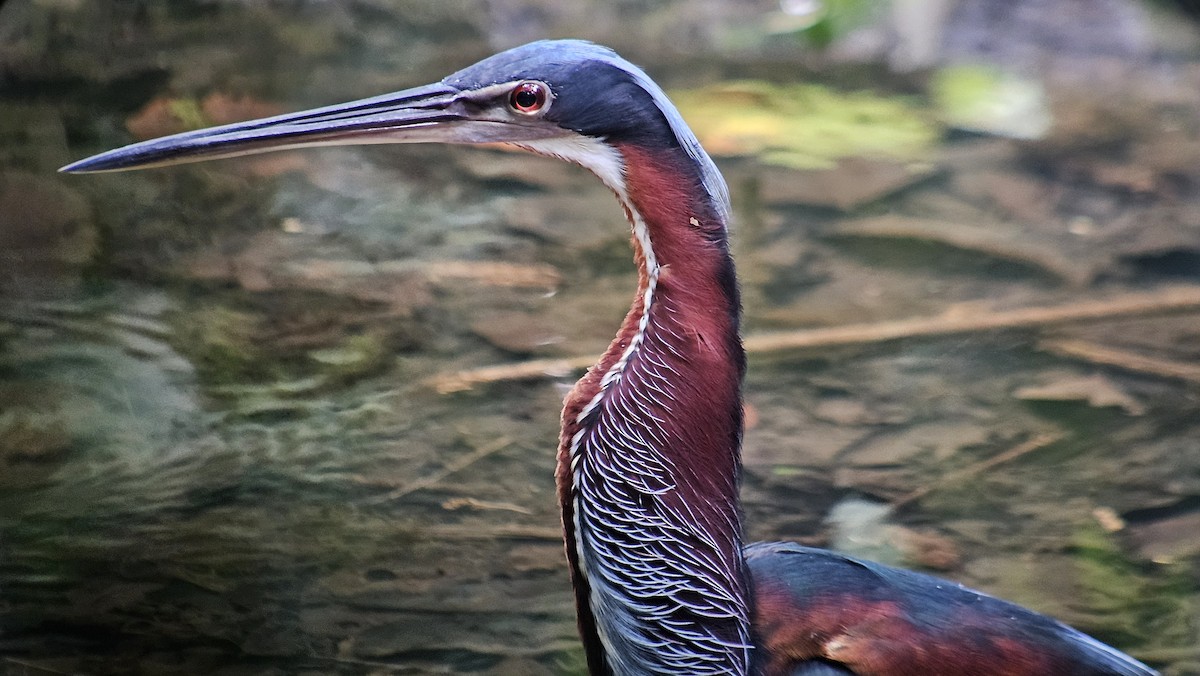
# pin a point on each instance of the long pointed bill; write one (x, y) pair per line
(433, 113)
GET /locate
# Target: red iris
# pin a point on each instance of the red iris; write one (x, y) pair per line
(528, 97)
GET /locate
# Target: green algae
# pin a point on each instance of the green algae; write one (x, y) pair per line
(805, 126)
(1126, 604)
(223, 343)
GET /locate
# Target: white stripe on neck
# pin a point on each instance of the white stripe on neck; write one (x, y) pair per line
(606, 163)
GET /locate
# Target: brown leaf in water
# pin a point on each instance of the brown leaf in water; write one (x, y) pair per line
(157, 118)
(166, 115)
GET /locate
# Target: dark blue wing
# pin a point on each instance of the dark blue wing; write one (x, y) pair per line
(820, 669)
(875, 619)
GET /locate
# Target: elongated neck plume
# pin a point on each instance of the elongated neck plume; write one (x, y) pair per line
(649, 465)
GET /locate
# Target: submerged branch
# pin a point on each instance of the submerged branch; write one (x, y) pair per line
(1170, 299)
(1105, 355)
(1018, 451)
(509, 531)
(450, 468)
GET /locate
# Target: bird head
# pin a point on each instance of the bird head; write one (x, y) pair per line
(569, 99)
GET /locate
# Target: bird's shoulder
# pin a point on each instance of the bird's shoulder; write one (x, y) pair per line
(813, 604)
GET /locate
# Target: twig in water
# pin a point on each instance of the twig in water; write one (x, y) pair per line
(1170, 299)
(433, 479)
(460, 381)
(1022, 449)
(511, 531)
(472, 503)
(29, 668)
(1122, 359)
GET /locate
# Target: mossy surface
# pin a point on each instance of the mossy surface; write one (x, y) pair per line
(805, 126)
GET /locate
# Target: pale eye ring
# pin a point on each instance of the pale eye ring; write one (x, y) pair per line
(529, 97)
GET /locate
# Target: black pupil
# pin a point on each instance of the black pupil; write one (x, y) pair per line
(526, 97)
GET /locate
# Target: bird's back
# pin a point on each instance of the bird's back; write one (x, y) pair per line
(815, 609)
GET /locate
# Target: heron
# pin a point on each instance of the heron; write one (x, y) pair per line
(649, 456)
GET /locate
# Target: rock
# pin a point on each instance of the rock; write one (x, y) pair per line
(848, 411)
(997, 241)
(278, 261)
(1096, 391)
(580, 219)
(1167, 540)
(849, 184)
(860, 527)
(1108, 519)
(805, 444)
(1014, 196)
(941, 440)
(518, 332)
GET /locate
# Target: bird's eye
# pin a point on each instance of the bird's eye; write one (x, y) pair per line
(529, 97)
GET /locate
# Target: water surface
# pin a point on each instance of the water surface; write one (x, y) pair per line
(221, 450)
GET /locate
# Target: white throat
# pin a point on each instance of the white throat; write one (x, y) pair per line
(590, 153)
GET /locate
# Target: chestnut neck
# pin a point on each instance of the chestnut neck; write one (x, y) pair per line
(649, 457)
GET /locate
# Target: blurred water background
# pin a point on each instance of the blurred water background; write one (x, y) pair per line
(240, 427)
